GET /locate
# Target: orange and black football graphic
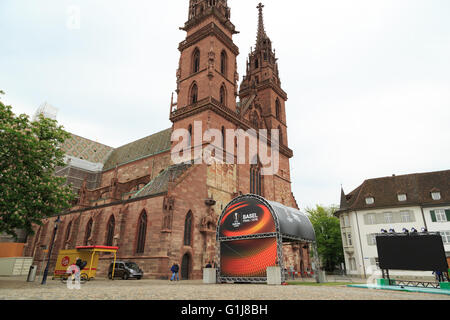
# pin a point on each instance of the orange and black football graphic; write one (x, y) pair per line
(247, 258)
(245, 218)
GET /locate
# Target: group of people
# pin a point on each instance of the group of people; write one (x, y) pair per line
(74, 271)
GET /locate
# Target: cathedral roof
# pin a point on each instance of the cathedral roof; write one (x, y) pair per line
(151, 145)
(86, 149)
(160, 183)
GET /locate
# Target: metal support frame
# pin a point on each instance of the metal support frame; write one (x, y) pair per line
(280, 238)
(411, 283)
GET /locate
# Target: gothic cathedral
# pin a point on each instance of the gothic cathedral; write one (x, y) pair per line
(157, 211)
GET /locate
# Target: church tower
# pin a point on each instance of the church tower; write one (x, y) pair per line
(207, 68)
(207, 89)
(207, 77)
(262, 82)
(262, 103)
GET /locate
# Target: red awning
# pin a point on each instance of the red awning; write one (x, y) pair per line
(96, 247)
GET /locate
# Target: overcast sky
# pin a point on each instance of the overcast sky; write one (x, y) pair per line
(368, 81)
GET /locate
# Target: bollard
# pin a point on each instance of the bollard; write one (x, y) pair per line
(209, 276)
(32, 274)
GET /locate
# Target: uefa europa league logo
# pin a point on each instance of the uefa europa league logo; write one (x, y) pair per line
(236, 222)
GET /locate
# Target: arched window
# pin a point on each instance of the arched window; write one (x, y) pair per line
(280, 132)
(256, 64)
(223, 137)
(88, 232)
(223, 96)
(255, 180)
(142, 232)
(196, 61)
(278, 109)
(110, 231)
(68, 229)
(194, 94)
(190, 135)
(188, 229)
(223, 62)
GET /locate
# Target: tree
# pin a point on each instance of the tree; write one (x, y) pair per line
(29, 155)
(328, 236)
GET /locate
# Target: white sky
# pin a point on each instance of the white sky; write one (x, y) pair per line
(368, 81)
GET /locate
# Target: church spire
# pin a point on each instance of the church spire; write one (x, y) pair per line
(261, 36)
(262, 80)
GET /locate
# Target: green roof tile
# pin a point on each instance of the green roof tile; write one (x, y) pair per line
(151, 145)
(161, 182)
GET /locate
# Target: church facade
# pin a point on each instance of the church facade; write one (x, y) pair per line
(158, 211)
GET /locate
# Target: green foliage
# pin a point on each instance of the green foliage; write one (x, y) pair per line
(328, 236)
(29, 154)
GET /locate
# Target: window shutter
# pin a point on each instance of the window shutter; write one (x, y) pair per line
(447, 213)
(433, 216)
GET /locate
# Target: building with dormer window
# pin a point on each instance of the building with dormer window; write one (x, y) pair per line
(418, 201)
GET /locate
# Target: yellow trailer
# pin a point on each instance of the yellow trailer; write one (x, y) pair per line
(90, 254)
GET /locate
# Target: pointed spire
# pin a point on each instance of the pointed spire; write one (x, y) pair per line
(261, 31)
(344, 204)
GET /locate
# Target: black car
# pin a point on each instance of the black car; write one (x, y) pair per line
(125, 270)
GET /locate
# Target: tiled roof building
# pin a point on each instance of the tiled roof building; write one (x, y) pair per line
(420, 200)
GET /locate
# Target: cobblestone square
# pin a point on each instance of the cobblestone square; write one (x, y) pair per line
(100, 289)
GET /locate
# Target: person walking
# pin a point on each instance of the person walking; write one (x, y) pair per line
(175, 268)
(74, 276)
(440, 276)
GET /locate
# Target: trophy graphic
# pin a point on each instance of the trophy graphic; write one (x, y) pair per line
(236, 222)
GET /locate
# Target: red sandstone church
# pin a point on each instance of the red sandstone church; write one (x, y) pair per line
(158, 212)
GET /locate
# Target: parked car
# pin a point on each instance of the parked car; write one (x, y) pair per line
(125, 270)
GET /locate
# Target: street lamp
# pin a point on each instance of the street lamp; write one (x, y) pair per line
(44, 278)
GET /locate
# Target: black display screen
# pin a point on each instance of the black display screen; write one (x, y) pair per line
(411, 252)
